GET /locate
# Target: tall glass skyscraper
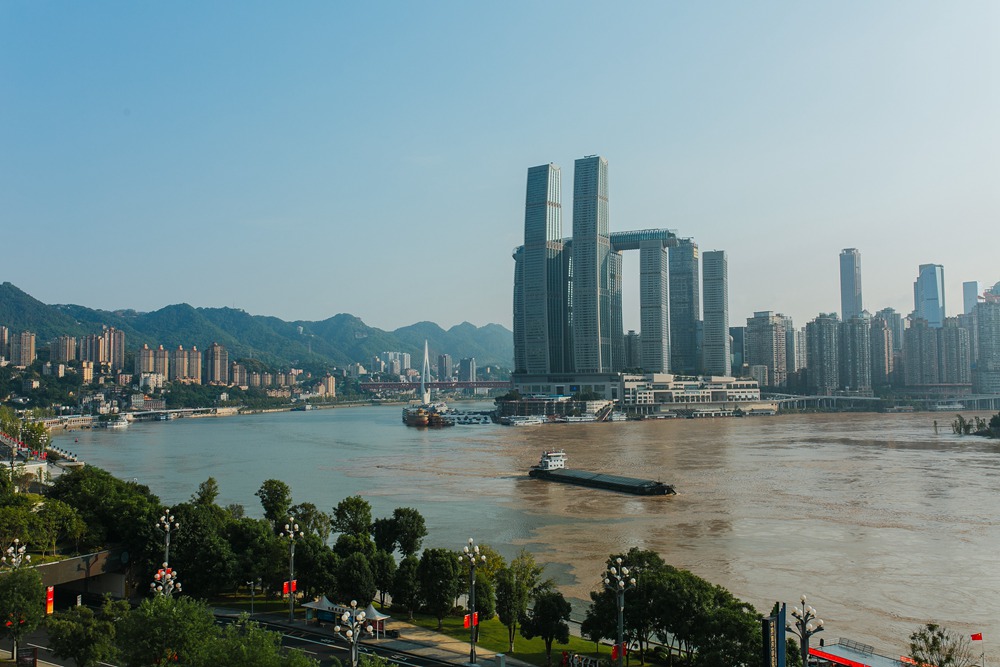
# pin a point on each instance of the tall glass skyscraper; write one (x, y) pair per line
(592, 290)
(543, 285)
(928, 295)
(685, 307)
(850, 283)
(715, 339)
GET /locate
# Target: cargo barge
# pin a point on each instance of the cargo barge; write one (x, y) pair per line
(552, 467)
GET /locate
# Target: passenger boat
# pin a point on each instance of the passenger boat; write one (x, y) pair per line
(552, 467)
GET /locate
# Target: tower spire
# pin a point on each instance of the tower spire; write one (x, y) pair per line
(425, 377)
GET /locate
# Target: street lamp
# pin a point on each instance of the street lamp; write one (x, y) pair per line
(165, 582)
(252, 584)
(291, 533)
(352, 626)
(805, 626)
(618, 581)
(471, 555)
(166, 524)
(15, 555)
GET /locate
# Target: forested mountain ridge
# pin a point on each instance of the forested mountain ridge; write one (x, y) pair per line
(338, 340)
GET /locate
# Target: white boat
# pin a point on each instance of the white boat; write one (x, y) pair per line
(118, 423)
(522, 421)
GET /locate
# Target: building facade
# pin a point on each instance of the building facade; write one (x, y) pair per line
(823, 341)
(765, 346)
(850, 284)
(928, 295)
(715, 337)
(685, 306)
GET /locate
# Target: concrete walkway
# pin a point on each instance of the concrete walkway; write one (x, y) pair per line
(412, 639)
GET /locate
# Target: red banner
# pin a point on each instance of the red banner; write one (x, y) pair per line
(50, 599)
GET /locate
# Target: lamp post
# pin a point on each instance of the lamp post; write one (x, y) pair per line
(15, 555)
(618, 581)
(805, 626)
(291, 533)
(165, 582)
(471, 555)
(352, 626)
(252, 584)
(165, 525)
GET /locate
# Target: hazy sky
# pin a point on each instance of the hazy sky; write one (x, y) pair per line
(305, 159)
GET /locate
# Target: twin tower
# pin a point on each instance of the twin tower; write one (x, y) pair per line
(568, 292)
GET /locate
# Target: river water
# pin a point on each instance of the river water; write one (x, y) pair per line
(883, 522)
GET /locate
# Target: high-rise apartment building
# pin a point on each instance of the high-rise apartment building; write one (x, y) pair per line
(114, 343)
(823, 341)
(970, 295)
(986, 379)
(22, 349)
(444, 367)
(928, 295)
(592, 337)
(685, 306)
(144, 360)
(896, 325)
(856, 355)
(543, 283)
(850, 283)
(765, 346)
(93, 348)
(954, 354)
(715, 337)
(4, 342)
(185, 365)
(62, 349)
(216, 365)
(881, 352)
(920, 354)
(467, 370)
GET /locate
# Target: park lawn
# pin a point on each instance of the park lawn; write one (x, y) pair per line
(493, 637)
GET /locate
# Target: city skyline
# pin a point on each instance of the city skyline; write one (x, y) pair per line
(305, 164)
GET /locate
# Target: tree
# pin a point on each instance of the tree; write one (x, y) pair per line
(55, 519)
(207, 493)
(937, 646)
(164, 629)
(353, 516)
(355, 580)
(275, 497)
(486, 601)
(406, 586)
(311, 520)
(515, 586)
(438, 573)
(22, 603)
(246, 644)
(384, 534)
(201, 552)
(547, 619)
(410, 529)
(85, 637)
(384, 571)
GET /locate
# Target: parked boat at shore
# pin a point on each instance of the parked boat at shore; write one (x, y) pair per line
(552, 467)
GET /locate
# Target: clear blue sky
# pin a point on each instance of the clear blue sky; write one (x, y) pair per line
(305, 159)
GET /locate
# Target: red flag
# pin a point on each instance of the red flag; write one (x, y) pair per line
(295, 585)
(284, 588)
(614, 652)
(466, 620)
(978, 637)
(475, 618)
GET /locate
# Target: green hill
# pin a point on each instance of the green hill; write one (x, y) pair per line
(339, 340)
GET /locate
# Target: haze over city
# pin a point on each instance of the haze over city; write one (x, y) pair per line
(301, 161)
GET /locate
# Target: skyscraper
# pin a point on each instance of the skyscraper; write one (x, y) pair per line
(444, 367)
(856, 355)
(765, 346)
(114, 343)
(970, 295)
(654, 306)
(715, 345)
(928, 295)
(685, 307)
(850, 283)
(986, 379)
(823, 364)
(920, 354)
(216, 365)
(592, 321)
(954, 358)
(543, 285)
